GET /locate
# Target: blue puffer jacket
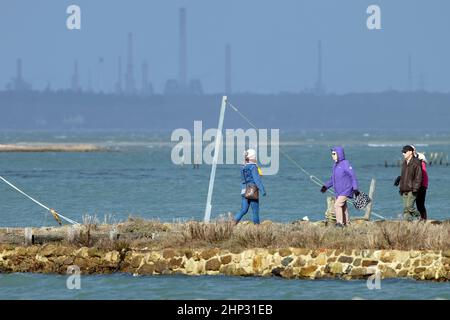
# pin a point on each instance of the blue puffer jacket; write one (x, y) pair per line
(250, 175)
(343, 178)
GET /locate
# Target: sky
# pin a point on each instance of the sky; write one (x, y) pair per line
(273, 43)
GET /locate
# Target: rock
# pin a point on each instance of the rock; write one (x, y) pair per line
(426, 260)
(287, 273)
(160, 266)
(387, 257)
(190, 266)
(357, 262)
(48, 250)
(168, 254)
(94, 252)
(445, 261)
(321, 259)
(257, 262)
(247, 271)
(307, 271)
(400, 256)
(348, 269)
(367, 263)
(333, 259)
(188, 253)
(212, 265)
(414, 254)
(334, 268)
(389, 273)
(208, 254)
(416, 263)
(277, 271)
(314, 253)
(430, 274)
(407, 263)
(358, 272)
(286, 261)
(175, 263)
(228, 269)
(299, 262)
(446, 253)
(136, 261)
(367, 253)
(300, 251)
(82, 252)
(402, 273)
(399, 266)
(284, 252)
(112, 256)
(146, 269)
(345, 259)
(225, 259)
(419, 270)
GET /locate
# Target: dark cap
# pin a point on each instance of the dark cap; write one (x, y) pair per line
(407, 148)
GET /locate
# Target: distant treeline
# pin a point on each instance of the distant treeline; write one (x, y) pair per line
(356, 111)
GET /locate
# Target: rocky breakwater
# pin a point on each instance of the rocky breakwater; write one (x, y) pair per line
(286, 263)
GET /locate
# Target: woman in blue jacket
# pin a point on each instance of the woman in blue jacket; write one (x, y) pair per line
(345, 185)
(250, 176)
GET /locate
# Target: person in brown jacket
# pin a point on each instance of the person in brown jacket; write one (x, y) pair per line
(410, 182)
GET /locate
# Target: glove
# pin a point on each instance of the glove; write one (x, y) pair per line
(397, 181)
(323, 189)
(356, 192)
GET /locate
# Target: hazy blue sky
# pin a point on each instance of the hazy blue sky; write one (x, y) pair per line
(274, 43)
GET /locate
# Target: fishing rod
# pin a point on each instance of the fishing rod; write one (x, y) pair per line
(55, 214)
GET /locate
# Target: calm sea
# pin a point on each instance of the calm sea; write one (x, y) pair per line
(138, 178)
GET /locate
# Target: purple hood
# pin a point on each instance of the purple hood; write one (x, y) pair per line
(343, 178)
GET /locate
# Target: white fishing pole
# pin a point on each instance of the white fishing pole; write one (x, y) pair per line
(52, 211)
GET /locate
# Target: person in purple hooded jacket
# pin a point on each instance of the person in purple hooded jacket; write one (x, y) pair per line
(343, 180)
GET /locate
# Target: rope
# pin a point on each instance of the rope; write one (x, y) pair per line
(53, 212)
(312, 177)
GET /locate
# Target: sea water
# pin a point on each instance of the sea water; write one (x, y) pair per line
(137, 178)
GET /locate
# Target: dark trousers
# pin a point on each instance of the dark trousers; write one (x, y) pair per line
(420, 202)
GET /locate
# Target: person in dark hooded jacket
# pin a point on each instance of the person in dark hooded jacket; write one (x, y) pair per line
(345, 185)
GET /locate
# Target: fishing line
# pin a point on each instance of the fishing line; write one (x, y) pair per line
(312, 177)
(55, 214)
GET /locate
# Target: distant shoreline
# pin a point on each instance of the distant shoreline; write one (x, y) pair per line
(53, 147)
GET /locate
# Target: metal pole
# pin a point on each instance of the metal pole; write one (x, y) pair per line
(216, 157)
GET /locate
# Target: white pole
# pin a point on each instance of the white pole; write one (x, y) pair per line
(216, 157)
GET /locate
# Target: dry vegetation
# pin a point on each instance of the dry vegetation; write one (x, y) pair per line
(222, 233)
(400, 235)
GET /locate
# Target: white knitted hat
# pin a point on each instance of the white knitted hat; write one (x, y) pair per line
(250, 154)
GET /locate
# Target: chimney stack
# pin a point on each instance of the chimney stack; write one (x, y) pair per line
(182, 72)
(228, 69)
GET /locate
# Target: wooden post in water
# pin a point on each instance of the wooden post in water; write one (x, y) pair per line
(371, 194)
(330, 215)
